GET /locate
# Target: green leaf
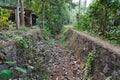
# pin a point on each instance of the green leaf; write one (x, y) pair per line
(10, 62)
(21, 70)
(6, 74)
(109, 78)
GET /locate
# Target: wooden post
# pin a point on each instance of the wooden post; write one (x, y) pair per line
(22, 12)
(17, 17)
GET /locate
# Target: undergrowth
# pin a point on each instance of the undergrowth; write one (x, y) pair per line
(11, 34)
(6, 74)
(63, 37)
(24, 44)
(88, 67)
(109, 78)
(47, 37)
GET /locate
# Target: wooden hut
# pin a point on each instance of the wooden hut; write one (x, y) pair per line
(30, 18)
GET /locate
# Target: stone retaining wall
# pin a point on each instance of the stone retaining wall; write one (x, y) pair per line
(9, 51)
(108, 62)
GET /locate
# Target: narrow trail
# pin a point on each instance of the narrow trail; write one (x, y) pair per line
(62, 64)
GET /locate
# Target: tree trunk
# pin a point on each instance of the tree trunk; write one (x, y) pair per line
(79, 12)
(85, 5)
(43, 13)
(17, 16)
(22, 12)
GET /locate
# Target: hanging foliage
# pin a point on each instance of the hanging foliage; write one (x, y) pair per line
(4, 15)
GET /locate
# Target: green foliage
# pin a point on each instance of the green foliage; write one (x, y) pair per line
(90, 60)
(47, 36)
(102, 19)
(103, 15)
(56, 13)
(11, 34)
(24, 28)
(114, 34)
(40, 63)
(9, 62)
(4, 15)
(84, 23)
(6, 74)
(19, 69)
(41, 68)
(63, 36)
(24, 43)
(46, 33)
(8, 2)
(89, 78)
(5, 36)
(109, 78)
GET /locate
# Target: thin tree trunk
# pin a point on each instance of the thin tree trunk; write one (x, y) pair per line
(79, 12)
(22, 12)
(43, 13)
(85, 5)
(17, 16)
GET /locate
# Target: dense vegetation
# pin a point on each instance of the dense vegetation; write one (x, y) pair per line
(103, 19)
(52, 13)
(4, 15)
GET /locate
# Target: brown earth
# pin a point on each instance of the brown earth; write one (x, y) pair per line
(63, 66)
(107, 64)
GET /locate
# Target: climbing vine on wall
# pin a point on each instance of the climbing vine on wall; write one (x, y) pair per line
(88, 67)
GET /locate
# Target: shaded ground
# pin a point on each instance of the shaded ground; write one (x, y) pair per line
(61, 64)
(44, 62)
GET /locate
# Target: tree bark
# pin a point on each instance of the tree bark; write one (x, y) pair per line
(79, 12)
(22, 12)
(85, 5)
(43, 13)
(17, 16)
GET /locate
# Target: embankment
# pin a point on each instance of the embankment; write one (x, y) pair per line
(105, 65)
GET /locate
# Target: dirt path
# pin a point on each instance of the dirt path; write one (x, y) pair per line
(63, 66)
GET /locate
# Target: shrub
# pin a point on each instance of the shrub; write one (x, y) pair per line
(4, 15)
(114, 34)
(47, 36)
(84, 23)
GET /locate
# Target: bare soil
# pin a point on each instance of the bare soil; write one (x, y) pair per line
(62, 64)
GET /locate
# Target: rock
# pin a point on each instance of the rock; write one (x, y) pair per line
(30, 67)
(105, 70)
(78, 78)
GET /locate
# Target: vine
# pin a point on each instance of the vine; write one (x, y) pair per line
(63, 38)
(88, 67)
(25, 44)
